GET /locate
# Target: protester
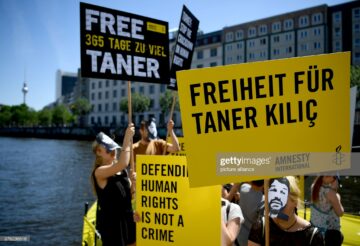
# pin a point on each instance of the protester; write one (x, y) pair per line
(230, 192)
(114, 217)
(231, 221)
(149, 145)
(286, 228)
(252, 206)
(326, 208)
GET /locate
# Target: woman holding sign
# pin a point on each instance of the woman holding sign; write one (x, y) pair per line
(286, 228)
(114, 216)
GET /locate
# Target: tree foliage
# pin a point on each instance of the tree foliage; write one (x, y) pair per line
(166, 101)
(355, 76)
(61, 115)
(139, 103)
(81, 107)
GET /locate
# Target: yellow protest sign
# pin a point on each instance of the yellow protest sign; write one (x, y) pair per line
(171, 212)
(270, 118)
(181, 144)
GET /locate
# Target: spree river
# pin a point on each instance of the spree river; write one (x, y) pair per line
(44, 185)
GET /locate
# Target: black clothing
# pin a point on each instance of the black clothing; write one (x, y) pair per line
(114, 216)
(279, 237)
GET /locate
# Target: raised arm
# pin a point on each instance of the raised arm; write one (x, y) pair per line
(105, 171)
(174, 146)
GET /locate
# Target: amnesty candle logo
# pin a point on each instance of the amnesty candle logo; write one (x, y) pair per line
(339, 157)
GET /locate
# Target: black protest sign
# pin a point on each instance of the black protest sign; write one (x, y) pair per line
(119, 45)
(185, 45)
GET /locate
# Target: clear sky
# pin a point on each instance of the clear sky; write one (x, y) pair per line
(38, 37)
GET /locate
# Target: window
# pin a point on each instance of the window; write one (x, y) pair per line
(251, 43)
(276, 26)
(263, 29)
(213, 64)
(317, 45)
(239, 45)
(289, 24)
(276, 39)
(263, 41)
(106, 95)
(337, 32)
(356, 13)
(289, 50)
(100, 84)
(106, 107)
(162, 88)
(317, 32)
(303, 47)
(114, 82)
(93, 85)
(151, 89)
(337, 17)
(288, 37)
(107, 83)
(115, 106)
(123, 92)
(113, 120)
(239, 34)
(99, 107)
(252, 32)
(317, 18)
(303, 34)
(200, 54)
(213, 52)
(229, 37)
(99, 95)
(106, 120)
(357, 42)
(357, 28)
(337, 46)
(303, 21)
(276, 52)
(141, 90)
(114, 93)
(229, 47)
(199, 66)
(92, 96)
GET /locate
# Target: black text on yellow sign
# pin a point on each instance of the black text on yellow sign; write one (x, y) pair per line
(171, 212)
(288, 105)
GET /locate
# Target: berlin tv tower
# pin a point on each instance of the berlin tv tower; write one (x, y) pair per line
(25, 89)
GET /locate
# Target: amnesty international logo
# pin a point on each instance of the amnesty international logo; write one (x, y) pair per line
(339, 157)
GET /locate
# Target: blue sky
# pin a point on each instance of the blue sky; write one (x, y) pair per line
(38, 37)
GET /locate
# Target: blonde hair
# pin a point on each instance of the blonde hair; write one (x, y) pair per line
(295, 191)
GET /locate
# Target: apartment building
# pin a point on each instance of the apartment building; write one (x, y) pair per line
(298, 33)
(311, 31)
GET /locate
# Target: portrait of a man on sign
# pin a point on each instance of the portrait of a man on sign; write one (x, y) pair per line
(278, 196)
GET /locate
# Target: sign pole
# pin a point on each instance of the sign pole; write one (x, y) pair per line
(170, 118)
(132, 165)
(266, 212)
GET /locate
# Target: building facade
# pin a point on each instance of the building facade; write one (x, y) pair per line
(316, 30)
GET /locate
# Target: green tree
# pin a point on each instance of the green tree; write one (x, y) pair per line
(139, 103)
(355, 76)
(45, 117)
(5, 115)
(166, 101)
(22, 115)
(80, 108)
(61, 115)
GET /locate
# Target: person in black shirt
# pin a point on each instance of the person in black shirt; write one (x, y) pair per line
(114, 216)
(288, 228)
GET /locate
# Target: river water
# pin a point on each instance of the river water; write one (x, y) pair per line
(44, 185)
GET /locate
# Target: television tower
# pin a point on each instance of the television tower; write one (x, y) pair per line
(25, 89)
